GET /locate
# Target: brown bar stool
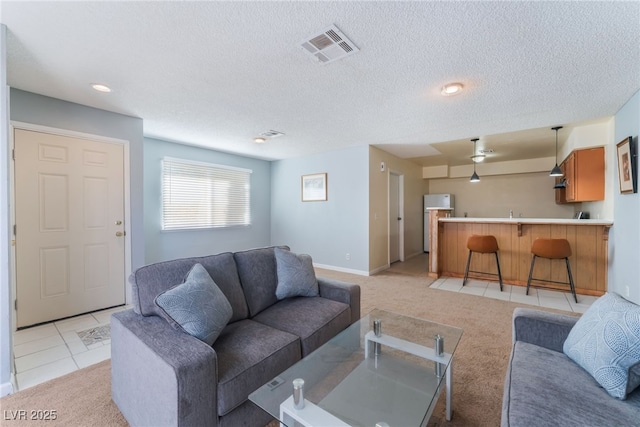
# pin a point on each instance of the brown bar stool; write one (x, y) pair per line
(484, 244)
(551, 249)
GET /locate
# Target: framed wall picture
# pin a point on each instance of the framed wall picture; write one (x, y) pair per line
(627, 174)
(314, 187)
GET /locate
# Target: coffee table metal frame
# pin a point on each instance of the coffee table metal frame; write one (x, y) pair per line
(313, 415)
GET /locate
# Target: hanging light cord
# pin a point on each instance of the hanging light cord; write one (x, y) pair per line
(556, 171)
(474, 177)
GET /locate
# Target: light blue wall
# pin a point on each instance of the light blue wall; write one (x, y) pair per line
(41, 110)
(325, 230)
(163, 246)
(624, 239)
(5, 289)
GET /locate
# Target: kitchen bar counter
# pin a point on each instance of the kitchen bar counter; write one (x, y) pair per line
(530, 221)
(588, 239)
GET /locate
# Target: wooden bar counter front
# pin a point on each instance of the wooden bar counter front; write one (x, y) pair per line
(588, 239)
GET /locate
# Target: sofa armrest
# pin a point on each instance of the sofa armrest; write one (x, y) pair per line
(542, 328)
(159, 375)
(347, 293)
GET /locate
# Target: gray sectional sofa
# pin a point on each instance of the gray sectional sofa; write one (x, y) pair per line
(164, 376)
(544, 387)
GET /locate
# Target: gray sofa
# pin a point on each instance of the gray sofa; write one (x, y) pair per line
(543, 387)
(164, 376)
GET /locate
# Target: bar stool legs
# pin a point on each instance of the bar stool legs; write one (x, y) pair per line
(485, 245)
(573, 287)
(499, 272)
(552, 249)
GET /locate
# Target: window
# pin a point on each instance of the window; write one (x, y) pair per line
(204, 195)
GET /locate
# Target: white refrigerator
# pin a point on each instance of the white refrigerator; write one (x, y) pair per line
(435, 201)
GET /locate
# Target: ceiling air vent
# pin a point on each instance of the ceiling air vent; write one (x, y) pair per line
(271, 134)
(329, 45)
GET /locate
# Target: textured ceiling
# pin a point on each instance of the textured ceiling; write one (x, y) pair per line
(218, 74)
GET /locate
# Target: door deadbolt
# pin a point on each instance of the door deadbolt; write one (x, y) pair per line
(118, 222)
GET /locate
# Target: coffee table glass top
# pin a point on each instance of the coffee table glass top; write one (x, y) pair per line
(361, 388)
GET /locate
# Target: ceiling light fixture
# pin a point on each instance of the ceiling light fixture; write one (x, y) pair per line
(259, 140)
(101, 88)
(474, 177)
(556, 171)
(478, 158)
(451, 89)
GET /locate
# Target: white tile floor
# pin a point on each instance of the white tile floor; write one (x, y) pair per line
(540, 297)
(48, 351)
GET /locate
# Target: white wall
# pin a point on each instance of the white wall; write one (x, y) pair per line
(524, 186)
(529, 194)
(161, 246)
(624, 237)
(5, 288)
(331, 229)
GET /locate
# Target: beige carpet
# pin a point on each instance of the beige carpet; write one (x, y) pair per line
(83, 398)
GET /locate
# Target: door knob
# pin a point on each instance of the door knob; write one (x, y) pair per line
(399, 219)
(120, 233)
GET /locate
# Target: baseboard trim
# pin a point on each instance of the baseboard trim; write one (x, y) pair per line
(379, 269)
(341, 269)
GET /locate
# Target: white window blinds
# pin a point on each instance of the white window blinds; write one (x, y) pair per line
(204, 195)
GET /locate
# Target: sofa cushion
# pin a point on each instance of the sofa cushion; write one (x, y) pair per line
(545, 388)
(606, 343)
(249, 355)
(257, 272)
(315, 320)
(149, 281)
(197, 306)
(296, 276)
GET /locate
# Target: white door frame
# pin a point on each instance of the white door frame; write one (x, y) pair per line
(400, 176)
(12, 189)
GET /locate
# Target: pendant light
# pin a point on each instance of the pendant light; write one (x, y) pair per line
(556, 171)
(474, 177)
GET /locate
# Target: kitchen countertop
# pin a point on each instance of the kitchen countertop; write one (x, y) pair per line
(530, 221)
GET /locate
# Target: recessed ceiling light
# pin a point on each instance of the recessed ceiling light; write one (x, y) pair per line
(259, 140)
(101, 88)
(451, 89)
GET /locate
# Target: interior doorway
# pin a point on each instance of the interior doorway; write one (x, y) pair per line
(396, 217)
(69, 225)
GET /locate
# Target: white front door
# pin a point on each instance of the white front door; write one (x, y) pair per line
(69, 210)
(394, 218)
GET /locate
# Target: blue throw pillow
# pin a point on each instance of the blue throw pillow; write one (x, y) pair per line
(296, 277)
(198, 306)
(605, 342)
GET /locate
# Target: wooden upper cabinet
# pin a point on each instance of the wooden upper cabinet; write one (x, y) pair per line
(561, 193)
(584, 176)
(570, 178)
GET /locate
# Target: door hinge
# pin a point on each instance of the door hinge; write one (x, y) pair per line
(15, 228)
(15, 304)
(13, 154)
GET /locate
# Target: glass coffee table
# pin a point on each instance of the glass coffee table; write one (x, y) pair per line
(386, 369)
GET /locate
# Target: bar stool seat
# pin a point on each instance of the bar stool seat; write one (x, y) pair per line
(551, 249)
(483, 244)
